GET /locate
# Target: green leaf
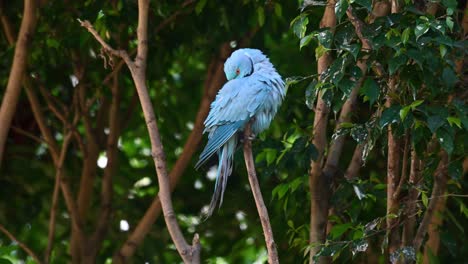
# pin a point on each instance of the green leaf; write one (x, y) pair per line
(261, 16)
(450, 4)
(325, 38)
(199, 7)
(424, 199)
(339, 230)
(389, 116)
(100, 15)
(446, 140)
(356, 72)
(5, 261)
(359, 133)
(443, 50)
(305, 41)
(449, 77)
(454, 121)
(340, 8)
(299, 25)
(449, 22)
(405, 35)
(320, 51)
(352, 48)
(311, 94)
(415, 104)
(455, 169)
(278, 10)
(270, 155)
(346, 86)
(364, 3)
(404, 112)
(434, 122)
(395, 63)
(370, 90)
(421, 29)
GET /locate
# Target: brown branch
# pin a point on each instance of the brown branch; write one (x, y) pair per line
(174, 16)
(7, 28)
(20, 244)
(60, 112)
(53, 211)
(213, 82)
(355, 163)
(336, 147)
(413, 193)
(112, 154)
(393, 175)
(404, 168)
(28, 134)
(118, 53)
(440, 186)
(190, 254)
(358, 27)
(17, 72)
(261, 208)
(319, 187)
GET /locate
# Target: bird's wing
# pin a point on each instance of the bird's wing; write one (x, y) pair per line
(235, 104)
(238, 100)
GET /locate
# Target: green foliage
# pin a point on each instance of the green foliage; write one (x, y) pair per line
(417, 49)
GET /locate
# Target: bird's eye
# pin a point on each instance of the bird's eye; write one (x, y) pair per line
(237, 71)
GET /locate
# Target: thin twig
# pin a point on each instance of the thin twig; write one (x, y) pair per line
(118, 53)
(28, 134)
(261, 208)
(20, 244)
(53, 211)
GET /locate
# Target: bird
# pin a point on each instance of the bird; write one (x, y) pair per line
(253, 93)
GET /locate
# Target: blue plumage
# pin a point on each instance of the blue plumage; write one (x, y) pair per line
(254, 90)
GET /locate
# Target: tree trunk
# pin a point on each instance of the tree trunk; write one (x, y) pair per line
(318, 184)
(18, 68)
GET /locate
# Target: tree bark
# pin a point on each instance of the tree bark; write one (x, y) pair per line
(18, 68)
(189, 253)
(318, 183)
(393, 177)
(257, 194)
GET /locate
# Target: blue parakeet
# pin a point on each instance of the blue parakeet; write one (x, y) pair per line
(254, 91)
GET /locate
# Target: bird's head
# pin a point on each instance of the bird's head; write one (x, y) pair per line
(239, 64)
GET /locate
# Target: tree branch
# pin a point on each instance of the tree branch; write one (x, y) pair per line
(190, 254)
(440, 185)
(53, 211)
(318, 183)
(18, 68)
(355, 163)
(261, 208)
(109, 171)
(404, 168)
(20, 244)
(118, 53)
(393, 175)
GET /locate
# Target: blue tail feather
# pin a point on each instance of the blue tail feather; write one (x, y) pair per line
(217, 139)
(226, 155)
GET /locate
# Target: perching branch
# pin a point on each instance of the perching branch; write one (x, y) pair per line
(189, 253)
(261, 208)
(18, 68)
(20, 244)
